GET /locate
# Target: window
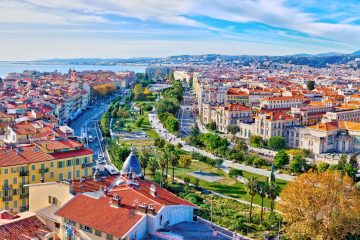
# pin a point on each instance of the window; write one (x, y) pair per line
(33, 167)
(69, 163)
(13, 170)
(33, 178)
(78, 161)
(86, 228)
(85, 159)
(15, 181)
(98, 233)
(57, 225)
(109, 237)
(52, 164)
(15, 192)
(5, 171)
(69, 175)
(77, 173)
(68, 221)
(15, 204)
(60, 164)
(60, 177)
(51, 174)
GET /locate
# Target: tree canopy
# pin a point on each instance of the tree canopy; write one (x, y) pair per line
(277, 142)
(321, 206)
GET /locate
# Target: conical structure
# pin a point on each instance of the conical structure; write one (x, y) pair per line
(132, 165)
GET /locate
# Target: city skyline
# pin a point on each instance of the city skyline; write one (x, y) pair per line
(39, 29)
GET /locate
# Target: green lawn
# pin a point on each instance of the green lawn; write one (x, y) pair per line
(227, 185)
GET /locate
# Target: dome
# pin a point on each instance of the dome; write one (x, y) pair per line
(132, 164)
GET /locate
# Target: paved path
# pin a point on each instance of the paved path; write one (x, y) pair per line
(159, 128)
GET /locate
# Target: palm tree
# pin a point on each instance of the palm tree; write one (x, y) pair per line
(169, 149)
(251, 187)
(153, 165)
(262, 191)
(174, 160)
(144, 157)
(163, 159)
(272, 193)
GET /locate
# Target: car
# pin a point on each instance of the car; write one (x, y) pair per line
(102, 163)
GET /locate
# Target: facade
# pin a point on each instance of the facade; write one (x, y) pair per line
(116, 207)
(43, 161)
(331, 137)
(351, 116)
(226, 115)
(282, 102)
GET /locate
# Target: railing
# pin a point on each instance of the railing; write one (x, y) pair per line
(23, 173)
(7, 198)
(43, 170)
(24, 208)
(24, 195)
(85, 165)
(7, 187)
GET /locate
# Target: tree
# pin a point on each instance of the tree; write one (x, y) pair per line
(251, 187)
(297, 164)
(185, 161)
(310, 85)
(235, 173)
(353, 161)
(258, 161)
(159, 142)
(174, 161)
(281, 159)
(153, 165)
(256, 140)
(321, 206)
(163, 162)
(138, 91)
(262, 191)
(218, 162)
(233, 129)
(211, 126)
(277, 142)
(241, 146)
(272, 193)
(323, 167)
(139, 122)
(144, 157)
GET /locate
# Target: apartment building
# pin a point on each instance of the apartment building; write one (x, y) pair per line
(282, 102)
(351, 116)
(42, 161)
(331, 137)
(116, 207)
(311, 114)
(226, 115)
(236, 96)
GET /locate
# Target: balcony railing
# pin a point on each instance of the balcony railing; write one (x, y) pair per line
(43, 170)
(23, 173)
(24, 195)
(7, 187)
(7, 198)
(86, 165)
(24, 208)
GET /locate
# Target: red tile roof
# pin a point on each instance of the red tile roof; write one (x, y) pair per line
(73, 153)
(27, 228)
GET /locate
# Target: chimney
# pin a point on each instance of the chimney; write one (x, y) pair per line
(153, 190)
(115, 201)
(105, 191)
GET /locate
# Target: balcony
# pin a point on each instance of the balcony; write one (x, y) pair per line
(23, 173)
(43, 170)
(86, 165)
(24, 208)
(7, 198)
(24, 195)
(7, 187)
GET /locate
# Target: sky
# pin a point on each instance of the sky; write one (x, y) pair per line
(43, 29)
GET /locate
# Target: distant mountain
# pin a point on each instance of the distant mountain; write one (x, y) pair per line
(357, 53)
(329, 54)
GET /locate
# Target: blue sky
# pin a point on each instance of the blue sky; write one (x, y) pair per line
(38, 29)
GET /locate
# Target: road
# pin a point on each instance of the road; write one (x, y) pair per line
(159, 128)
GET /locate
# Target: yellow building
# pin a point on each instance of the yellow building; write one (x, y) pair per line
(45, 161)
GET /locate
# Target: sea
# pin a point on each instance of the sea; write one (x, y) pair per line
(18, 67)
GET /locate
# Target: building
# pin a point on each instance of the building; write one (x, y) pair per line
(226, 115)
(123, 206)
(331, 137)
(43, 161)
(282, 102)
(351, 116)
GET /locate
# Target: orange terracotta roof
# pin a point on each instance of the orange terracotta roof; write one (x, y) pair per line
(336, 125)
